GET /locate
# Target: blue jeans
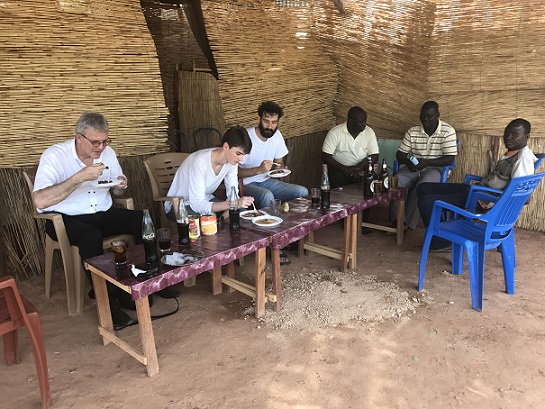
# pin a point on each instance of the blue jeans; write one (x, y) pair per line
(264, 192)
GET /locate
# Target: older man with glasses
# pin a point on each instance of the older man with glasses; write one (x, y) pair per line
(64, 184)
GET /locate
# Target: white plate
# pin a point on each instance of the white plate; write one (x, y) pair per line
(111, 183)
(248, 214)
(184, 259)
(278, 173)
(258, 221)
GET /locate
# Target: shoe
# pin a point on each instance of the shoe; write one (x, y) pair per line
(366, 230)
(119, 317)
(169, 292)
(284, 259)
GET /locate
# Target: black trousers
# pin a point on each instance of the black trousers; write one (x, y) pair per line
(88, 230)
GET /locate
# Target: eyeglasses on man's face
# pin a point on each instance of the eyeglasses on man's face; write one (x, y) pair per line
(96, 144)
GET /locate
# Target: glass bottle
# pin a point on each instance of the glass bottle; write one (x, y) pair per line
(182, 221)
(369, 190)
(234, 210)
(149, 238)
(325, 188)
(384, 177)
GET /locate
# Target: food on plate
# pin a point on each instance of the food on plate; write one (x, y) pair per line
(277, 172)
(254, 214)
(103, 182)
(266, 221)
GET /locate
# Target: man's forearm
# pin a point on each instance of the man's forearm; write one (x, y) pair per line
(52, 195)
(247, 172)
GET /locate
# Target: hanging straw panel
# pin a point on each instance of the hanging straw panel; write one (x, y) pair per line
(58, 59)
(176, 47)
(267, 52)
(381, 50)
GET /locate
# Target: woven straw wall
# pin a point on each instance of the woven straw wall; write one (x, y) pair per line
(199, 104)
(58, 59)
(381, 50)
(266, 52)
(486, 64)
(176, 48)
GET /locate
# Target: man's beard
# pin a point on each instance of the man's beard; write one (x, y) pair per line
(265, 132)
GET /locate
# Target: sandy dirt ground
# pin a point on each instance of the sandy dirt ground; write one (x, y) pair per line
(363, 339)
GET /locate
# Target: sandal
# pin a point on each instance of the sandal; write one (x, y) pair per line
(284, 259)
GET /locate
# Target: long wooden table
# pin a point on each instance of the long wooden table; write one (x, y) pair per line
(225, 247)
(219, 250)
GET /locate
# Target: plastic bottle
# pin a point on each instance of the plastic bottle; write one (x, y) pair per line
(182, 221)
(149, 238)
(325, 188)
(234, 210)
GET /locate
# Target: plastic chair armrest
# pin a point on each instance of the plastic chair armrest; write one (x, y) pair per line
(127, 203)
(60, 229)
(472, 178)
(439, 206)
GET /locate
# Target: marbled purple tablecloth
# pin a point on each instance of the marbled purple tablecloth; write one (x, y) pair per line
(219, 250)
(301, 219)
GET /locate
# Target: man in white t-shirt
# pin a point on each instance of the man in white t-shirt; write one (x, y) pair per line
(268, 147)
(346, 148)
(65, 183)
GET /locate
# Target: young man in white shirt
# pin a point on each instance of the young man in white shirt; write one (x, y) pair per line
(268, 146)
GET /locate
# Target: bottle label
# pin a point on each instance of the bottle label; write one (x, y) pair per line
(194, 227)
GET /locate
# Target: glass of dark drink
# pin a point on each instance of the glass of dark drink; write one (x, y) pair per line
(163, 239)
(234, 219)
(315, 195)
(183, 233)
(119, 248)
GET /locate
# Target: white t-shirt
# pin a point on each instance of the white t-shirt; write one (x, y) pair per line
(196, 181)
(346, 149)
(60, 162)
(273, 148)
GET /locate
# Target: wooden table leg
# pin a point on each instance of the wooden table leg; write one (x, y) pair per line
(260, 260)
(103, 305)
(216, 281)
(230, 273)
(346, 243)
(353, 240)
(400, 220)
(146, 335)
(276, 278)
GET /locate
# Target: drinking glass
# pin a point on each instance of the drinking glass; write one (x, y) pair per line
(393, 183)
(315, 193)
(119, 248)
(163, 238)
(275, 205)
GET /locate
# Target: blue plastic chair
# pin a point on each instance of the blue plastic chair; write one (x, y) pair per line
(475, 233)
(445, 172)
(206, 138)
